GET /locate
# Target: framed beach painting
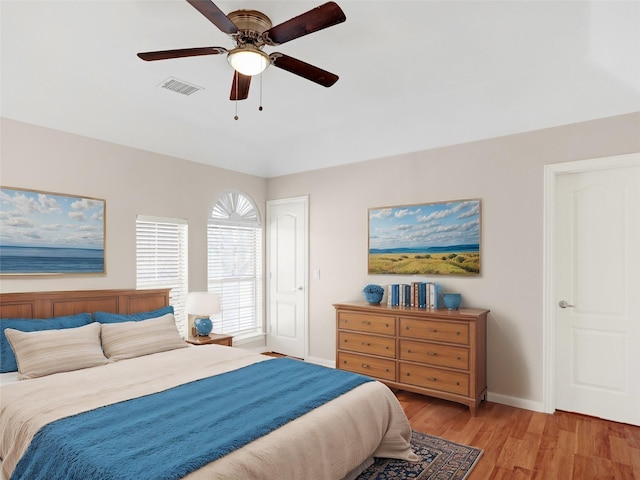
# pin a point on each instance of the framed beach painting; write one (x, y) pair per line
(50, 233)
(441, 238)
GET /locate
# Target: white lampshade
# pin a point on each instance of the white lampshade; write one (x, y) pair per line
(248, 60)
(203, 304)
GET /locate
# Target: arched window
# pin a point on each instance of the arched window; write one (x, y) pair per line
(234, 237)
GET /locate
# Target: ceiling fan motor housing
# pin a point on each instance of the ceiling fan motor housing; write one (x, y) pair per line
(251, 24)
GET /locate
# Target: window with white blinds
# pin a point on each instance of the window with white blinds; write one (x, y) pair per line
(235, 264)
(161, 260)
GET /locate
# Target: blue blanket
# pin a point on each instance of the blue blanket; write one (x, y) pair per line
(169, 434)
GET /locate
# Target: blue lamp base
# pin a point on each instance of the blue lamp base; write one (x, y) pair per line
(203, 326)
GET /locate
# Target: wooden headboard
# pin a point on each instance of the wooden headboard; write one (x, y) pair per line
(56, 304)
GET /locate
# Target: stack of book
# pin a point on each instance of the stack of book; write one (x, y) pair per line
(414, 294)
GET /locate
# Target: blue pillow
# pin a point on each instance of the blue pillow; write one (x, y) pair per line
(104, 317)
(7, 358)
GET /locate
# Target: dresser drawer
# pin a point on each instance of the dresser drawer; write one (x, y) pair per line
(435, 354)
(434, 378)
(371, 366)
(367, 323)
(435, 331)
(371, 344)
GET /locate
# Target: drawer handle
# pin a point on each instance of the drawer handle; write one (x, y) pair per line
(364, 365)
(457, 383)
(432, 330)
(458, 333)
(366, 344)
(366, 322)
(409, 351)
(458, 358)
(432, 354)
(407, 327)
(432, 379)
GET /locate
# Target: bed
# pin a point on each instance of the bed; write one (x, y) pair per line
(330, 436)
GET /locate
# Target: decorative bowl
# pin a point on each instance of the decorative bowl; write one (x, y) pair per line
(373, 294)
(203, 326)
(452, 300)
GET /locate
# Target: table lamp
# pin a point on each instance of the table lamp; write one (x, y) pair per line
(200, 306)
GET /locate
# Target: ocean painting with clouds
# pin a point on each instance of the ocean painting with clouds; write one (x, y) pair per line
(50, 233)
(440, 238)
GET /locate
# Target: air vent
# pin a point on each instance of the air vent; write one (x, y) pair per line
(179, 86)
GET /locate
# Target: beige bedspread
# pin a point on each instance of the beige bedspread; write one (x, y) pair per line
(326, 443)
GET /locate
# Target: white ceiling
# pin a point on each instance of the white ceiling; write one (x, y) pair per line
(414, 75)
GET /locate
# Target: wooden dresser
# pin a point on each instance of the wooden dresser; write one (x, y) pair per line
(440, 353)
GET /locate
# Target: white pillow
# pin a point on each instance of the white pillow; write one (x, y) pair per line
(134, 339)
(51, 351)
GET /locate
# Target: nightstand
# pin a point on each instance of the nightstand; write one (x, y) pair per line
(217, 338)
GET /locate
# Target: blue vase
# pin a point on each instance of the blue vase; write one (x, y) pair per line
(373, 294)
(452, 300)
(373, 298)
(203, 326)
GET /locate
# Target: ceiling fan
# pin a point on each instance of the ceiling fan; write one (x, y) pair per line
(251, 31)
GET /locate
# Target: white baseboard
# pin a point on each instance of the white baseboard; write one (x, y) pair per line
(252, 349)
(492, 397)
(516, 402)
(321, 361)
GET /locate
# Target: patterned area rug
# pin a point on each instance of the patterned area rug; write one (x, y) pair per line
(441, 460)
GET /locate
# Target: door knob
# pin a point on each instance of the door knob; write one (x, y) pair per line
(564, 304)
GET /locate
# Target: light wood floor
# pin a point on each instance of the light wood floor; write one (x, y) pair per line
(521, 444)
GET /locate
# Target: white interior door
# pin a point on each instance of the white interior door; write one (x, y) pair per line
(597, 284)
(287, 249)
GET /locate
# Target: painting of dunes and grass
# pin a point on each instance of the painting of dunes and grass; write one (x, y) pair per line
(440, 238)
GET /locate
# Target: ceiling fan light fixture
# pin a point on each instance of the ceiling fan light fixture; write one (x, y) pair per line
(248, 60)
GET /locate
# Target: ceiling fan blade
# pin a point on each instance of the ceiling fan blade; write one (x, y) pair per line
(305, 70)
(184, 52)
(214, 15)
(320, 17)
(240, 86)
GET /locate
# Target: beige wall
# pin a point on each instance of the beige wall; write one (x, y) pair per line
(131, 181)
(505, 173)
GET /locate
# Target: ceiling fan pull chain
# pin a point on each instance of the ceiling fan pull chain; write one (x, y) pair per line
(260, 107)
(235, 80)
